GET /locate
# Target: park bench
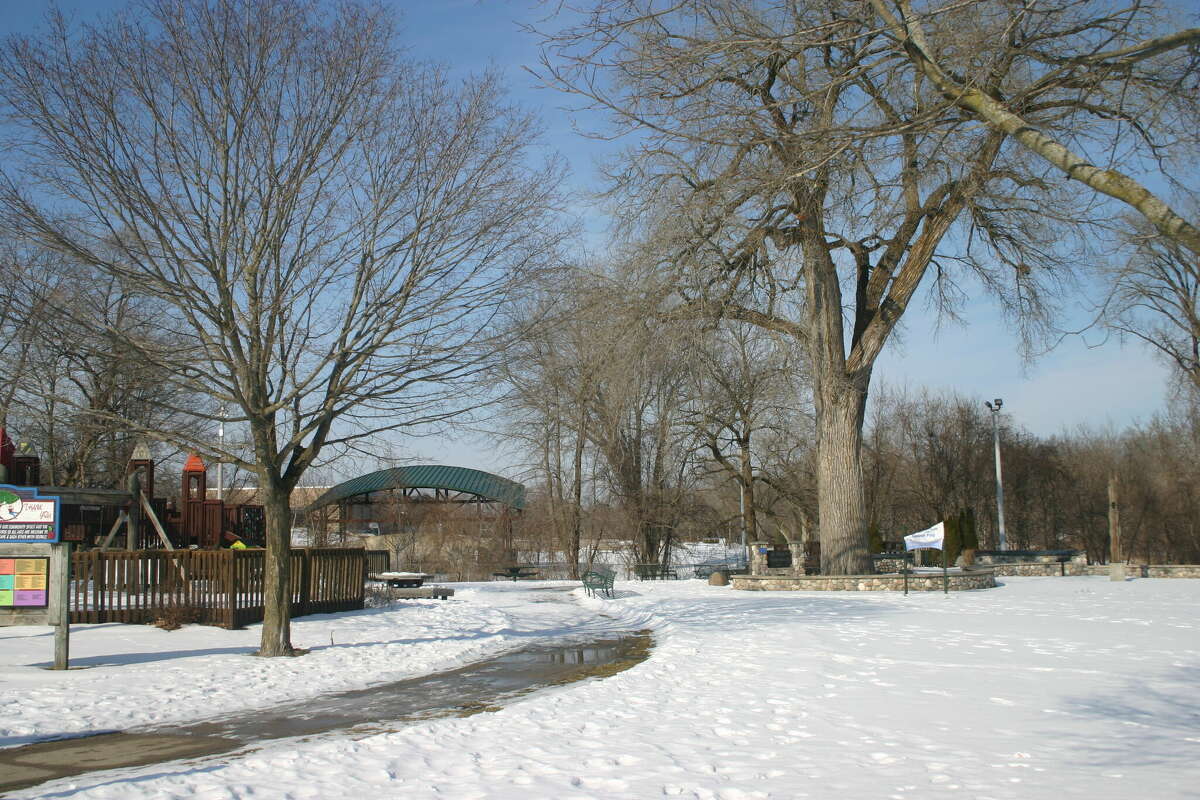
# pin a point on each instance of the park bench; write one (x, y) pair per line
(515, 573)
(596, 581)
(654, 572)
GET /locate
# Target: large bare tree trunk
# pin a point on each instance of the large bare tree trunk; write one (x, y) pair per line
(840, 399)
(844, 537)
(577, 498)
(277, 612)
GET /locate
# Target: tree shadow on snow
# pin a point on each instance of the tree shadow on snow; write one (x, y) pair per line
(19, 741)
(1150, 724)
(133, 780)
(121, 660)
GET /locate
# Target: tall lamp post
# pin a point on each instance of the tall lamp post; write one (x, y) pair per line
(221, 455)
(995, 409)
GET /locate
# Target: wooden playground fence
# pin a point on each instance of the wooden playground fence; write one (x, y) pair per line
(378, 561)
(212, 587)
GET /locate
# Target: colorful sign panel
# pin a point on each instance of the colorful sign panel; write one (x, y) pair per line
(25, 516)
(24, 582)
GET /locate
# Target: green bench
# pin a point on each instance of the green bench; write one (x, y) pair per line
(596, 581)
(654, 572)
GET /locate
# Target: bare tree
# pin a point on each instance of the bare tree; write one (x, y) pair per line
(597, 386)
(31, 280)
(552, 376)
(744, 384)
(638, 389)
(330, 225)
(796, 174)
(1120, 81)
(1156, 298)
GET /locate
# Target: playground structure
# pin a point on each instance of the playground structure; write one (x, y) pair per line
(134, 518)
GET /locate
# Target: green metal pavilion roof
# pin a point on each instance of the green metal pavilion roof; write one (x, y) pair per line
(429, 476)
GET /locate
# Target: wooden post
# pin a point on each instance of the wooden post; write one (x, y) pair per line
(150, 515)
(1114, 519)
(231, 588)
(60, 587)
(1116, 570)
(133, 533)
(945, 572)
(121, 520)
(305, 579)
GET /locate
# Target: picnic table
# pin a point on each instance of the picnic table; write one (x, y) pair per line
(400, 580)
(654, 572)
(516, 573)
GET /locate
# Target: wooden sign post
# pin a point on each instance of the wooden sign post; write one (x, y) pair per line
(35, 566)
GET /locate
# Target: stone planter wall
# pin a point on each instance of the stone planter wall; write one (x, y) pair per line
(993, 558)
(1168, 570)
(988, 566)
(1073, 569)
(1025, 570)
(959, 581)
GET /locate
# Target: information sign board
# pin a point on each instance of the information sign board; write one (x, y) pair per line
(24, 582)
(27, 517)
(35, 590)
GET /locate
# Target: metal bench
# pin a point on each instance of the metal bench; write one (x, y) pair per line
(595, 581)
(515, 573)
(654, 572)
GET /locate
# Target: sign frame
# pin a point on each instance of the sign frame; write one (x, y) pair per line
(30, 510)
(57, 611)
(15, 571)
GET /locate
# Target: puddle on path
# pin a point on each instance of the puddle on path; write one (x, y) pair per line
(473, 689)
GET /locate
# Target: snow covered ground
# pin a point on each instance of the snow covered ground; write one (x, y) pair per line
(1041, 688)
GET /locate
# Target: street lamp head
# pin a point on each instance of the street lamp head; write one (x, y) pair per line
(999, 403)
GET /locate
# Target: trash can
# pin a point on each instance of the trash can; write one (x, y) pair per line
(719, 577)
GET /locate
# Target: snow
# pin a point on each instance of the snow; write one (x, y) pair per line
(1041, 688)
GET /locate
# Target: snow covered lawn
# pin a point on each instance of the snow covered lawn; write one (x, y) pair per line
(1042, 688)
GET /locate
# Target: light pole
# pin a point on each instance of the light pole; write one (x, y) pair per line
(742, 511)
(221, 455)
(995, 409)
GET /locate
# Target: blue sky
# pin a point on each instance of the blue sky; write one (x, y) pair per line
(1084, 381)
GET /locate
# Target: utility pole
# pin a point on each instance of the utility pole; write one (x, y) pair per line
(1116, 566)
(742, 511)
(995, 409)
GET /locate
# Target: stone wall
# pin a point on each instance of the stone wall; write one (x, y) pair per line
(1167, 570)
(1073, 569)
(923, 582)
(1045, 569)
(885, 565)
(1006, 557)
(1037, 563)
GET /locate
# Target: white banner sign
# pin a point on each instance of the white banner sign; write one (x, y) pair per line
(928, 539)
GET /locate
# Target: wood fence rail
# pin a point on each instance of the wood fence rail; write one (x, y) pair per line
(212, 587)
